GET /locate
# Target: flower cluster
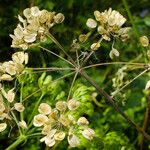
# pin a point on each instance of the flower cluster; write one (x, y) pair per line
(7, 107)
(11, 68)
(8, 70)
(60, 122)
(110, 24)
(35, 26)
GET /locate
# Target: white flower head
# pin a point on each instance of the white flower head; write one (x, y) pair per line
(44, 109)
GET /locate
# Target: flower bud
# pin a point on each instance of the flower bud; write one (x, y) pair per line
(23, 124)
(95, 46)
(44, 109)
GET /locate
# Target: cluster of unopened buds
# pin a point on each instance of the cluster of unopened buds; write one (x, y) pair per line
(35, 26)
(60, 122)
(9, 69)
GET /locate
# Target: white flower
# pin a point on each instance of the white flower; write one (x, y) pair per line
(23, 124)
(19, 107)
(3, 126)
(10, 95)
(39, 120)
(73, 104)
(9, 67)
(48, 141)
(82, 121)
(144, 41)
(59, 18)
(46, 129)
(44, 109)
(73, 140)
(114, 52)
(6, 77)
(20, 57)
(30, 37)
(88, 133)
(91, 23)
(59, 136)
(35, 11)
(27, 12)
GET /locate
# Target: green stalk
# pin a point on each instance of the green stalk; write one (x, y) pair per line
(131, 18)
(21, 114)
(17, 142)
(34, 110)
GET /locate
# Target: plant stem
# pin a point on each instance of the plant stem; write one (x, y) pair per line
(17, 142)
(130, 17)
(146, 121)
(60, 46)
(34, 110)
(117, 63)
(21, 90)
(114, 104)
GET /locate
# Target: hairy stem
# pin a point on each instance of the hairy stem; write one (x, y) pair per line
(114, 104)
